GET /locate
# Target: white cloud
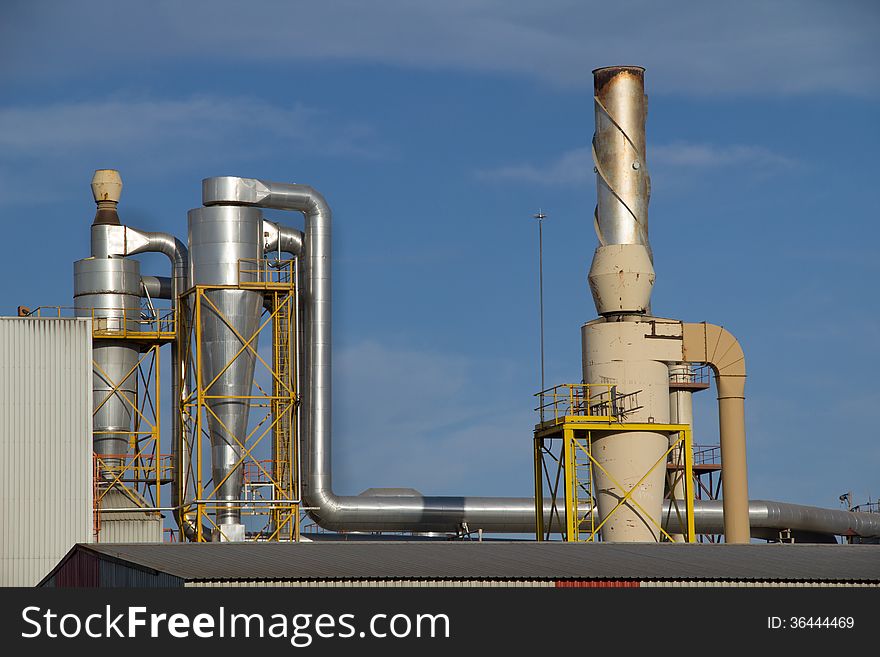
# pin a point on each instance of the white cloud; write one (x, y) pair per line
(575, 167)
(158, 137)
(187, 123)
(439, 422)
(752, 46)
(683, 154)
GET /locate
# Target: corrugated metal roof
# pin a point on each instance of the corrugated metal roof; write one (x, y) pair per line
(499, 560)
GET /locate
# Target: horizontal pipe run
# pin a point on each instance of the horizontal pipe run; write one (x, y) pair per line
(517, 516)
(158, 287)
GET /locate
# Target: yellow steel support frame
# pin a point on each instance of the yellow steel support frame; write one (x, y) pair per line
(284, 452)
(276, 503)
(141, 472)
(576, 434)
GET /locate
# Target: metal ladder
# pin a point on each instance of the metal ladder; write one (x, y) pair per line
(282, 410)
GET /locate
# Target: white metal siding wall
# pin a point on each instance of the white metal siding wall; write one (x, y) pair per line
(45, 444)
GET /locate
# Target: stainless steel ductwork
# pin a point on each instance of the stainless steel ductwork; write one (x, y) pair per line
(768, 518)
(371, 513)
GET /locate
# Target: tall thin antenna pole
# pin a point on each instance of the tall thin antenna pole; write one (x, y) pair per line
(540, 216)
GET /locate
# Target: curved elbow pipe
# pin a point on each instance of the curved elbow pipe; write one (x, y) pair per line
(282, 238)
(158, 287)
(140, 241)
(707, 343)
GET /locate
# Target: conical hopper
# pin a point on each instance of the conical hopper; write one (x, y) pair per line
(627, 459)
(228, 321)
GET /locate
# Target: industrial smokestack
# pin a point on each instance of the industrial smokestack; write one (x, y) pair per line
(622, 183)
(622, 272)
(621, 279)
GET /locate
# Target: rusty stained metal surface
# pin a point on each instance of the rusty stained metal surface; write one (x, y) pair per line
(622, 181)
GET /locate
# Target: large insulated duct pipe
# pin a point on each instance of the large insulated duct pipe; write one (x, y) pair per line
(707, 343)
(767, 518)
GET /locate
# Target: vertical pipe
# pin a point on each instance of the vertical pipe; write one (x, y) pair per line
(537, 457)
(540, 217)
(734, 476)
(681, 411)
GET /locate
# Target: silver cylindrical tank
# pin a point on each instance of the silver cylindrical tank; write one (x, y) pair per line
(108, 290)
(219, 238)
(611, 356)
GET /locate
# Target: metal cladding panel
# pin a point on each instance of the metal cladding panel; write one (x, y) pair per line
(87, 569)
(80, 570)
(45, 444)
(146, 530)
(112, 574)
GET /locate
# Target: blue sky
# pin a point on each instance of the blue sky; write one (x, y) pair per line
(435, 130)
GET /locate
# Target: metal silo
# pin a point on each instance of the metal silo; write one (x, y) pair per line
(108, 289)
(219, 238)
